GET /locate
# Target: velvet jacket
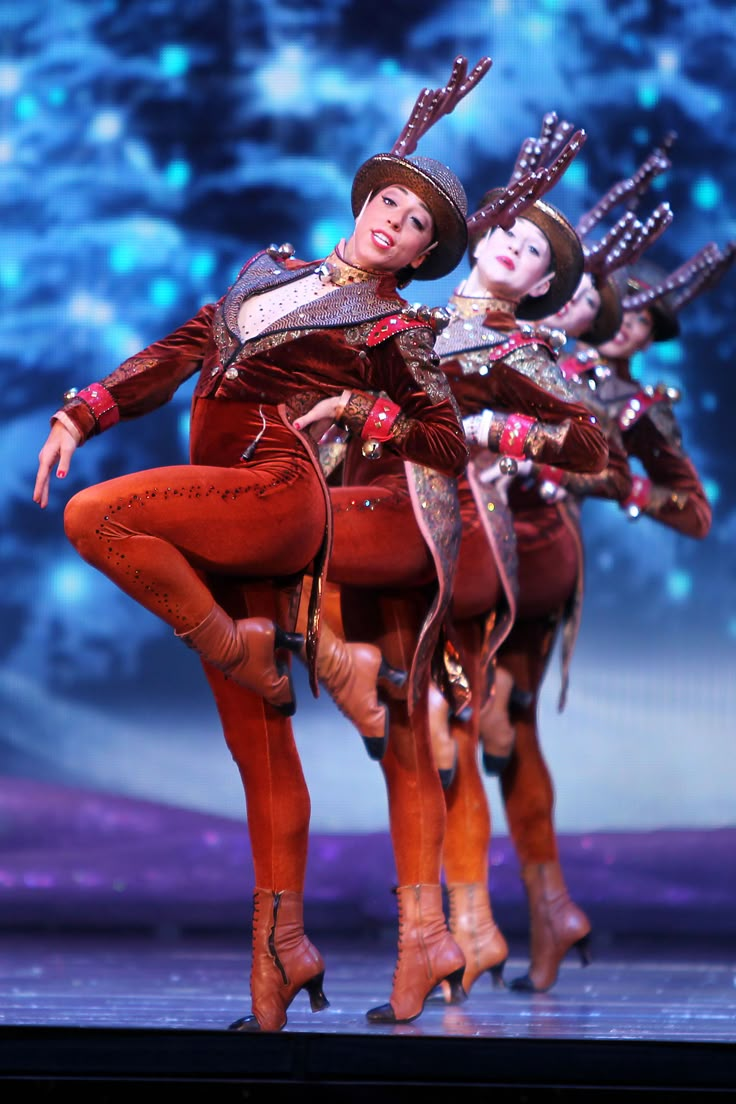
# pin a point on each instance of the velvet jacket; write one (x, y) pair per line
(493, 362)
(672, 493)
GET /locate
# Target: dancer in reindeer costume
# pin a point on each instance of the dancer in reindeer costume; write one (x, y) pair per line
(218, 548)
(516, 405)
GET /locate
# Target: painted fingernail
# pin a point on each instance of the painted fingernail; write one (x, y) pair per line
(297, 425)
(61, 474)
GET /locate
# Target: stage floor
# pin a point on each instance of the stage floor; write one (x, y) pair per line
(114, 1014)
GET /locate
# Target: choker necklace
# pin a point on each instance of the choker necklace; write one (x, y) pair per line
(468, 306)
(335, 270)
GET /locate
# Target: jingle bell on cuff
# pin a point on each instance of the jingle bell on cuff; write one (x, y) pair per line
(377, 427)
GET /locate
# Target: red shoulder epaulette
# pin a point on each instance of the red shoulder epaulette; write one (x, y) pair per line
(394, 324)
(516, 341)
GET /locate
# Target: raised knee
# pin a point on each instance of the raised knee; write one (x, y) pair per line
(81, 518)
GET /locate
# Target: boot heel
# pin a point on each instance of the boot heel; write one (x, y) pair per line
(447, 774)
(495, 765)
(392, 676)
(317, 999)
(293, 642)
(376, 745)
(583, 948)
(455, 982)
(496, 973)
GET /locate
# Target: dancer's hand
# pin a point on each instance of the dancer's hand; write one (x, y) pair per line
(58, 449)
(323, 414)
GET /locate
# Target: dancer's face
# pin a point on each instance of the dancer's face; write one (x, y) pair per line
(634, 335)
(394, 229)
(515, 263)
(580, 312)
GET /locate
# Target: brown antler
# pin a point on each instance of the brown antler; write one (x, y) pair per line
(535, 153)
(718, 264)
(525, 189)
(631, 189)
(676, 281)
(650, 231)
(433, 104)
(626, 241)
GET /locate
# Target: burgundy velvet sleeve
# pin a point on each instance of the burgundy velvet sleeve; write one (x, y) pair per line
(428, 430)
(677, 496)
(149, 379)
(613, 482)
(580, 445)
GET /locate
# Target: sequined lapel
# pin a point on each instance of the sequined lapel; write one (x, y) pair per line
(465, 335)
(346, 306)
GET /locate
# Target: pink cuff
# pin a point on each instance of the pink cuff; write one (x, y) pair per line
(380, 420)
(102, 405)
(514, 435)
(641, 492)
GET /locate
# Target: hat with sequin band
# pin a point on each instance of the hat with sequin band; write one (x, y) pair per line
(607, 321)
(437, 187)
(434, 183)
(648, 278)
(566, 261)
(649, 287)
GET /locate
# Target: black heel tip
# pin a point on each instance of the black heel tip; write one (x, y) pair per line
(376, 747)
(294, 642)
(392, 675)
(447, 777)
(495, 765)
(245, 1023)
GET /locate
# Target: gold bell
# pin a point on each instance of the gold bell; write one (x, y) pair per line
(371, 449)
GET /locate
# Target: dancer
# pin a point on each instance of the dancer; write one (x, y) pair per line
(217, 549)
(593, 317)
(516, 405)
(551, 570)
(396, 531)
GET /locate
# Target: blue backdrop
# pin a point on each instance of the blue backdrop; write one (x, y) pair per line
(147, 150)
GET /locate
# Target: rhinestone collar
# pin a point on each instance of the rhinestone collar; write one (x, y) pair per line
(336, 270)
(470, 306)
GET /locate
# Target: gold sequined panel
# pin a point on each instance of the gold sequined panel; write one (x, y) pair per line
(465, 335)
(474, 363)
(663, 417)
(662, 497)
(589, 398)
(541, 436)
(416, 347)
(535, 362)
(588, 484)
(436, 497)
(331, 456)
(130, 367)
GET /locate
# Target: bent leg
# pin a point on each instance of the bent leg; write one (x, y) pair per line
(154, 533)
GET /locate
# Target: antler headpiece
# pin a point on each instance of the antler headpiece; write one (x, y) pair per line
(435, 184)
(623, 244)
(631, 189)
(539, 165)
(648, 285)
